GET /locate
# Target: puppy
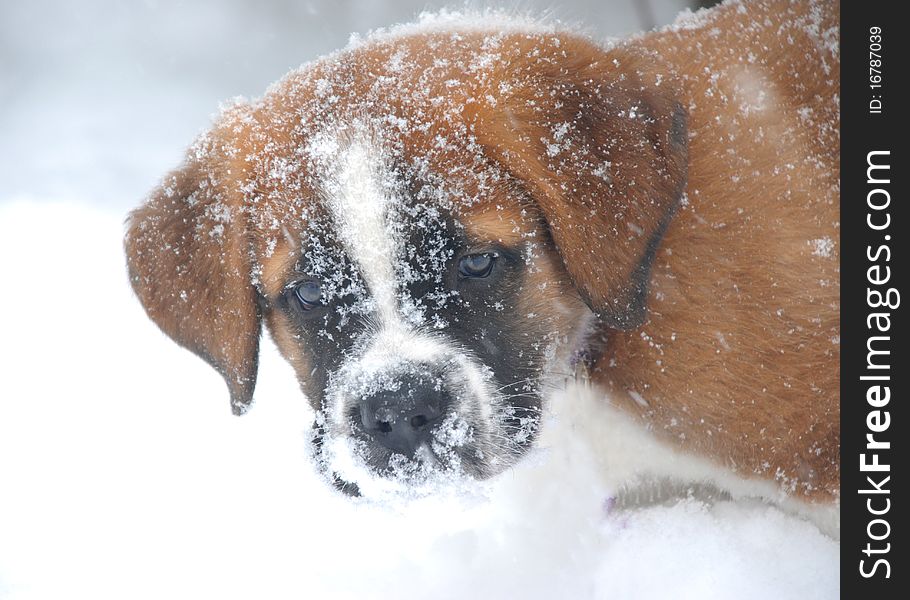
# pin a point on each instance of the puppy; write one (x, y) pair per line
(438, 222)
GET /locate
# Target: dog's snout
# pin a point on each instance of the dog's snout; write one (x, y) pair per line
(403, 418)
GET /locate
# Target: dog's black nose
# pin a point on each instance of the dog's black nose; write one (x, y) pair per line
(403, 418)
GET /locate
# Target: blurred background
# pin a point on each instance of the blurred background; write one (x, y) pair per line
(98, 98)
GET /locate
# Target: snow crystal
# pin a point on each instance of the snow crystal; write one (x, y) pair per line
(822, 247)
(447, 20)
(639, 399)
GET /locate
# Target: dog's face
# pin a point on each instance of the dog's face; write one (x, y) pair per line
(422, 314)
(430, 225)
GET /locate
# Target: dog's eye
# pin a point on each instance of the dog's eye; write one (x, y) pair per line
(477, 265)
(308, 294)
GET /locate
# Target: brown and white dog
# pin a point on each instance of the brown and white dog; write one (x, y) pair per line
(439, 221)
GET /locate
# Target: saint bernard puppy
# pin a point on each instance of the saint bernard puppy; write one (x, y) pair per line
(439, 222)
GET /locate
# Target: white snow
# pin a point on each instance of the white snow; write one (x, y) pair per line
(124, 475)
(823, 247)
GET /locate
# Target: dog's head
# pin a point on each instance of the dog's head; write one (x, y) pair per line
(428, 224)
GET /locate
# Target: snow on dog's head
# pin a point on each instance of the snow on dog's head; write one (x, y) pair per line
(407, 310)
(426, 222)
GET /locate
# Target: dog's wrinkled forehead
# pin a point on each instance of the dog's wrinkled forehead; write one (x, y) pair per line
(378, 223)
(389, 116)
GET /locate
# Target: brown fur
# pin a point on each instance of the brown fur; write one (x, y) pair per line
(740, 357)
(681, 206)
(186, 234)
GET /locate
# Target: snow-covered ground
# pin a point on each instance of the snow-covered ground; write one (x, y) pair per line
(123, 473)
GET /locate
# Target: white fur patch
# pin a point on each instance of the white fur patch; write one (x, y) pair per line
(363, 203)
(360, 205)
(632, 460)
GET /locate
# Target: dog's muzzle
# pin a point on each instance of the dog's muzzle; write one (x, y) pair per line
(404, 416)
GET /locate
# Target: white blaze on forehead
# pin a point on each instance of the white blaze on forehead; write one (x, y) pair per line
(360, 203)
(361, 200)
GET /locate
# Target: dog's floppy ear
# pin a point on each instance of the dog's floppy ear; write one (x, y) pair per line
(602, 148)
(189, 264)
